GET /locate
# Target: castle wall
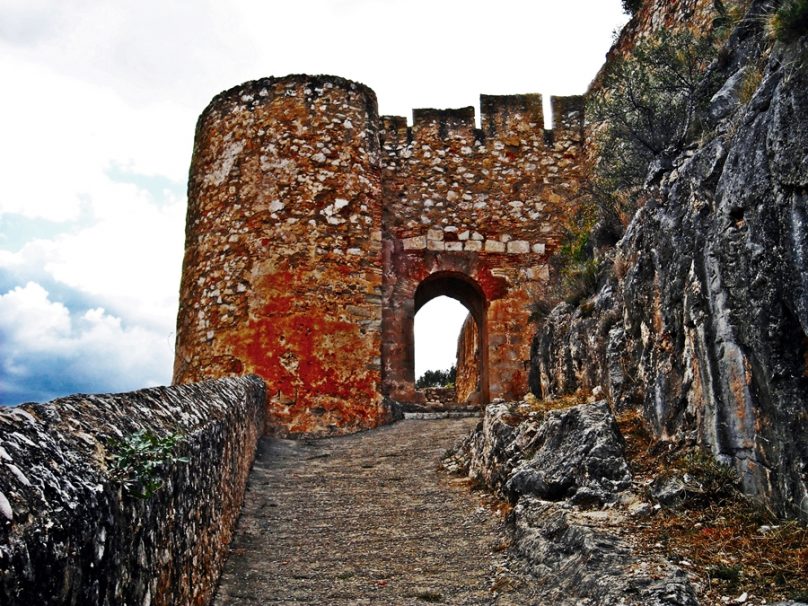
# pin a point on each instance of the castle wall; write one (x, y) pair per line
(308, 247)
(71, 533)
(480, 204)
(467, 383)
(283, 273)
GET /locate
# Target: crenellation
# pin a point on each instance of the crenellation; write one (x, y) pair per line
(450, 123)
(510, 116)
(394, 132)
(568, 117)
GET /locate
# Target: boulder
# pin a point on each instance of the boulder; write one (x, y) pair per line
(577, 454)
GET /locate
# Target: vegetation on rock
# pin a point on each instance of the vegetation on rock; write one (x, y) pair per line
(789, 21)
(644, 113)
(729, 542)
(632, 6)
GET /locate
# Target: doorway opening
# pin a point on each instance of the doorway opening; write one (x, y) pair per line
(450, 341)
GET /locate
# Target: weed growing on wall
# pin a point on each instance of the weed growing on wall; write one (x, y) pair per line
(137, 460)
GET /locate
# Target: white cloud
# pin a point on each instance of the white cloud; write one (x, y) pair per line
(90, 352)
(28, 317)
(129, 259)
(62, 135)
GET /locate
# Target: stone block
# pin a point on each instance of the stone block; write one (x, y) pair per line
(493, 246)
(416, 243)
(518, 247)
(538, 273)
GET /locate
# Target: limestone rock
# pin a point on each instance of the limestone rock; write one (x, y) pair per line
(579, 558)
(704, 321)
(577, 454)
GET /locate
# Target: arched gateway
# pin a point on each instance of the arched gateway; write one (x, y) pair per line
(316, 230)
(398, 320)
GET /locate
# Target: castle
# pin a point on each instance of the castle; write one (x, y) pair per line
(316, 230)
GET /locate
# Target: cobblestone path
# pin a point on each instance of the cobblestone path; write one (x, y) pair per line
(368, 519)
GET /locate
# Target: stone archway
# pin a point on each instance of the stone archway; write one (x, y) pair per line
(467, 292)
(416, 282)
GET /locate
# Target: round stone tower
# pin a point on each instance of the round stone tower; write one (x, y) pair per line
(282, 274)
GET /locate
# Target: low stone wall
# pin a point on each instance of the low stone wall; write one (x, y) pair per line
(443, 395)
(72, 534)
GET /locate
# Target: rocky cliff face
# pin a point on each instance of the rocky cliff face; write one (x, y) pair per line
(703, 320)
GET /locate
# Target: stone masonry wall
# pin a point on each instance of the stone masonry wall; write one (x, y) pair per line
(308, 252)
(283, 272)
(467, 383)
(70, 534)
(479, 206)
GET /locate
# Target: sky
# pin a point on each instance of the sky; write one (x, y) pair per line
(100, 100)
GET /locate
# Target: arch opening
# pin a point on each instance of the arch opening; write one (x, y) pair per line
(471, 379)
(438, 325)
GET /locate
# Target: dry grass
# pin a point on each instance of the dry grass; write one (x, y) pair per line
(750, 84)
(622, 264)
(639, 442)
(559, 403)
(736, 548)
(731, 545)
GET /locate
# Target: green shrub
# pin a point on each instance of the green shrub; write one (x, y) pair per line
(580, 281)
(136, 461)
(790, 21)
(725, 573)
(644, 111)
(540, 309)
(631, 6)
(646, 106)
(437, 378)
(706, 480)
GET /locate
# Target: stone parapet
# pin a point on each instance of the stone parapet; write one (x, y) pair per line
(70, 533)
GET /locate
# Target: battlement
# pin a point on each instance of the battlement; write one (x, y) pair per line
(503, 115)
(568, 112)
(458, 122)
(395, 131)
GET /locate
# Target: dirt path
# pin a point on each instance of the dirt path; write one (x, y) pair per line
(368, 519)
